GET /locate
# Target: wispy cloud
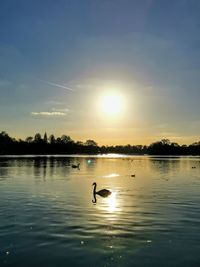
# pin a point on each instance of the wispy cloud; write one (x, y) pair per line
(60, 110)
(48, 113)
(57, 85)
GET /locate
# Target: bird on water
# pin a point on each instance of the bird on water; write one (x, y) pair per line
(74, 166)
(102, 192)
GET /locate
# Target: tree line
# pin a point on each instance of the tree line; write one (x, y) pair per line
(66, 145)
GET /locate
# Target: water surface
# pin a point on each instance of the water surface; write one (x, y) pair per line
(47, 217)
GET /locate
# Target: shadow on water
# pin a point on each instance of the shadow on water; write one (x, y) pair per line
(54, 167)
(40, 167)
(164, 165)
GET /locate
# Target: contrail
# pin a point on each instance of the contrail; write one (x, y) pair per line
(58, 85)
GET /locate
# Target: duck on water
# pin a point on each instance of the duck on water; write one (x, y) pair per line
(75, 166)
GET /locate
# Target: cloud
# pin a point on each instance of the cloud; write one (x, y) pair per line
(60, 110)
(54, 112)
(49, 113)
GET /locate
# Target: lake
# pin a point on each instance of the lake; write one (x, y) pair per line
(47, 217)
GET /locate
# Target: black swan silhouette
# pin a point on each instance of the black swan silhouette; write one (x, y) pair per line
(102, 192)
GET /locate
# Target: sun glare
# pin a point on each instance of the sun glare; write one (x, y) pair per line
(111, 104)
(112, 202)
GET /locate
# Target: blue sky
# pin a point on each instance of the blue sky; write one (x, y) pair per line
(149, 50)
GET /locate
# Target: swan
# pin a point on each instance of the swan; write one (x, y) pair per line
(74, 166)
(102, 192)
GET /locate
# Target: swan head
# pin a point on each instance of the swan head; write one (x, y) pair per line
(94, 184)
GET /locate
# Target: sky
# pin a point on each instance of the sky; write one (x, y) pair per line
(59, 59)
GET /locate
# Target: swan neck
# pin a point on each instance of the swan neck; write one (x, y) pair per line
(94, 190)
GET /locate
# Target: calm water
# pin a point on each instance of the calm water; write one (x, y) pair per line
(47, 217)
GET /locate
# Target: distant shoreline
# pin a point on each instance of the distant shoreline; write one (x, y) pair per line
(109, 155)
(64, 145)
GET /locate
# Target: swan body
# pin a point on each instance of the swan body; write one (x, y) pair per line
(102, 192)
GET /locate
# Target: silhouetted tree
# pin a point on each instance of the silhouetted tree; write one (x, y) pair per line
(90, 142)
(5, 142)
(52, 139)
(5, 138)
(45, 139)
(144, 149)
(165, 142)
(79, 143)
(58, 140)
(65, 145)
(66, 139)
(175, 144)
(4, 135)
(37, 138)
(29, 139)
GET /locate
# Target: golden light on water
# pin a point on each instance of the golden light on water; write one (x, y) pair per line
(112, 203)
(111, 175)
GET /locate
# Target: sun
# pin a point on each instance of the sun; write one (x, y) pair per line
(111, 104)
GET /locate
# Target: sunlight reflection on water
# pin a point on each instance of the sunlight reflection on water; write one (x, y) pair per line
(111, 175)
(47, 214)
(112, 203)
